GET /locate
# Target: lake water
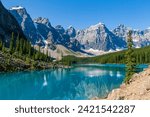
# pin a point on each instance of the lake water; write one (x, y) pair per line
(77, 83)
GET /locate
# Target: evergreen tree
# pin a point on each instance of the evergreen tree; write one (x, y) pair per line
(17, 44)
(24, 46)
(62, 57)
(3, 47)
(11, 47)
(47, 55)
(21, 46)
(130, 60)
(29, 50)
(1, 44)
(33, 53)
(39, 53)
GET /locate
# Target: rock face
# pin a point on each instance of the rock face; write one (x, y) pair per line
(71, 32)
(40, 31)
(98, 37)
(56, 35)
(26, 23)
(47, 31)
(8, 24)
(138, 89)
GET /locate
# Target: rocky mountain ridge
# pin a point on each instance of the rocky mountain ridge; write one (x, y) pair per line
(141, 38)
(8, 25)
(96, 37)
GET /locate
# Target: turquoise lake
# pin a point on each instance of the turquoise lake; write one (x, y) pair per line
(80, 82)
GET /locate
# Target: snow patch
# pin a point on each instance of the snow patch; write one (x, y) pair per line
(16, 8)
(100, 52)
(94, 27)
(137, 46)
(135, 40)
(95, 52)
(70, 27)
(111, 50)
(119, 49)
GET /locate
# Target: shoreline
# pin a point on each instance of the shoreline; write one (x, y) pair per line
(9, 63)
(138, 89)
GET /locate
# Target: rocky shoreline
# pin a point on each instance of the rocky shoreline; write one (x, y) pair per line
(10, 63)
(138, 89)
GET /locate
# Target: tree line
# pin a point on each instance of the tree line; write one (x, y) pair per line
(22, 48)
(141, 55)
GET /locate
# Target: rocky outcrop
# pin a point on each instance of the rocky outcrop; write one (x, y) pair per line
(138, 89)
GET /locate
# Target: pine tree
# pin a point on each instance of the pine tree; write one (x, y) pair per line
(29, 50)
(47, 55)
(11, 47)
(1, 44)
(21, 47)
(17, 44)
(62, 57)
(39, 53)
(3, 47)
(130, 60)
(24, 46)
(33, 54)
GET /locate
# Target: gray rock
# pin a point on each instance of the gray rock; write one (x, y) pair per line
(26, 23)
(100, 38)
(141, 38)
(71, 32)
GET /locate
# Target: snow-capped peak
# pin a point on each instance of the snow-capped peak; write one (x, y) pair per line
(17, 8)
(69, 27)
(99, 25)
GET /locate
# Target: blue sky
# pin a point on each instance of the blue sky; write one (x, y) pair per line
(83, 13)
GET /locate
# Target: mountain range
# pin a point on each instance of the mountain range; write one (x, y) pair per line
(59, 41)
